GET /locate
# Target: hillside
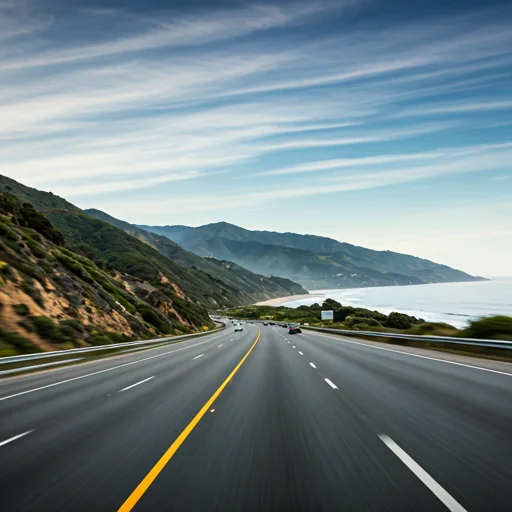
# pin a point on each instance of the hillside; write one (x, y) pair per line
(247, 286)
(51, 297)
(167, 267)
(314, 262)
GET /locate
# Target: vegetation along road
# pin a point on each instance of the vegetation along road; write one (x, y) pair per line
(260, 420)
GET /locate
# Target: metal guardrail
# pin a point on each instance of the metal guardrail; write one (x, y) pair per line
(98, 348)
(424, 338)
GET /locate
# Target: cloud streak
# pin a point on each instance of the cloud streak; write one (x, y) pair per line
(200, 102)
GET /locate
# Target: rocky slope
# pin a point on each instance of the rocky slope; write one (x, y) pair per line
(51, 297)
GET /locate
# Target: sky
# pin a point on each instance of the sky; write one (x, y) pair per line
(386, 124)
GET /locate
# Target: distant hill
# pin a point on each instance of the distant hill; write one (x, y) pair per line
(313, 261)
(194, 283)
(247, 286)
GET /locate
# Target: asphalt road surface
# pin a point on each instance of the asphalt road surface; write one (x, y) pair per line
(243, 422)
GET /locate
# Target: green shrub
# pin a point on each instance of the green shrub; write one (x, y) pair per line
(494, 327)
(49, 330)
(398, 321)
(74, 324)
(36, 249)
(31, 234)
(99, 339)
(9, 203)
(21, 309)
(115, 337)
(73, 266)
(433, 328)
(30, 289)
(19, 342)
(150, 316)
(7, 232)
(31, 218)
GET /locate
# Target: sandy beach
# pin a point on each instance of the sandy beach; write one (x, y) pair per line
(283, 300)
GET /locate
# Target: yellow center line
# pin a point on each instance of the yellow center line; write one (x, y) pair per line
(139, 491)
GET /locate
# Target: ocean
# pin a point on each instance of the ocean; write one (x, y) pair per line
(453, 303)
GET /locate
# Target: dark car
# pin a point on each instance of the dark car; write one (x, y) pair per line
(294, 329)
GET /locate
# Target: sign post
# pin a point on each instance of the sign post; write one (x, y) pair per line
(327, 315)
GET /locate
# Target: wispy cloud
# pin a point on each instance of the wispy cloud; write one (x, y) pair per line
(457, 108)
(200, 101)
(183, 31)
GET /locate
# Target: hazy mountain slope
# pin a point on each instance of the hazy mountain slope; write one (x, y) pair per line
(314, 262)
(51, 297)
(116, 249)
(247, 286)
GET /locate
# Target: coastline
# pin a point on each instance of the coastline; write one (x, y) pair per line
(282, 300)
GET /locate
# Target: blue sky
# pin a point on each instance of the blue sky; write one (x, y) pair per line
(383, 124)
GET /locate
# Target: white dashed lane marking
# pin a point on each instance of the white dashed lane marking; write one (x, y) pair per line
(10, 440)
(450, 502)
(331, 384)
(136, 384)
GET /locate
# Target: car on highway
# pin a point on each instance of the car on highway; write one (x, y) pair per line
(239, 327)
(294, 329)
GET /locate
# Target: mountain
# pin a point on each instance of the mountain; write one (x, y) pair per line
(193, 283)
(53, 298)
(314, 262)
(247, 287)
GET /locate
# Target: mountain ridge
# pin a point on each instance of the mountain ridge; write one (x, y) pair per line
(105, 243)
(313, 261)
(253, 285)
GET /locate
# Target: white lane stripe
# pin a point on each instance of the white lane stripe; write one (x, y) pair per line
(136, 384)
(293, 346)
(288, 342)
(15, 437)
(331, 384)
(301, 353)
(197, 357)
(231, 339)
(450, 502)
(220, 345)
(312, 365)
(416, 355)
(103, 371)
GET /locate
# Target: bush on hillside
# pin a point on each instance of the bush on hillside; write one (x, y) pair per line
(495, 327)
(20, 344)
(150, 316)
(398, 321)
(48, 330)
(21, 309)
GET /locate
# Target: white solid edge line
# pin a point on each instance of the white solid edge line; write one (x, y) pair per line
(136, 384)
(311, 364)
(331, 384)
(301, 353)
(197, 357)
(415, 355)
(444, 496)
(103, 371)
(15, 437)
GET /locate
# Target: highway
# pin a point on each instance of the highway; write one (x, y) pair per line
(259, 420)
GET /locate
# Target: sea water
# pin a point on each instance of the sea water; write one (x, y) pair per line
(453, 303)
